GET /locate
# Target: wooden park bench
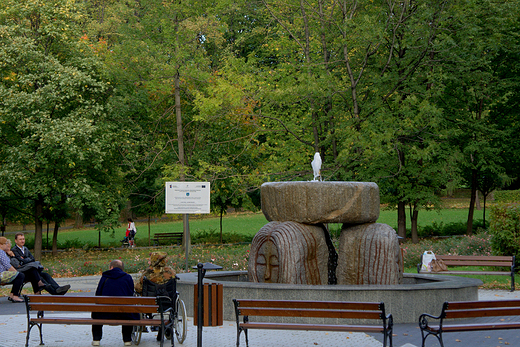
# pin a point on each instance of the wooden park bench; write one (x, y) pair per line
(318, 309)
(170, 238)
(478, 260)
(77, 304)
(471, 309)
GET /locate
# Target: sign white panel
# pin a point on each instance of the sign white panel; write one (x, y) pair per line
(187, 197)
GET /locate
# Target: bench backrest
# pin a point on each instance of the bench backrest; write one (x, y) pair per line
(471, 309)
(302, 308)
(120, 304)
(477, 260)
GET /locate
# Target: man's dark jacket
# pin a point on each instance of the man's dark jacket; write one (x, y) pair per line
(23, 257)
(115, 282)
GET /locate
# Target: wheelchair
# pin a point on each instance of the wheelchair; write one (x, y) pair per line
(174, 309)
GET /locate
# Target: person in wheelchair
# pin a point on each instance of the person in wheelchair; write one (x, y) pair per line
(158, 280)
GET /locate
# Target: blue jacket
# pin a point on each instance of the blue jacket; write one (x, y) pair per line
(115, 282)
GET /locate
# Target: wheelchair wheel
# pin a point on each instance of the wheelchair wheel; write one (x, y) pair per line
(179, 322)
(137, 331)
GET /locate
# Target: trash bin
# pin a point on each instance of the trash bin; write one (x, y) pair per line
(213, 306)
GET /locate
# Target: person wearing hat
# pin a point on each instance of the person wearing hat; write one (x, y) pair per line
(158, 272)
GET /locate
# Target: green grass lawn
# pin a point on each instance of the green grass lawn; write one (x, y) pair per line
(238, 223)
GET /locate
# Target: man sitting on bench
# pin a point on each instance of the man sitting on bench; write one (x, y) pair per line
(23, 260)
(114, 282)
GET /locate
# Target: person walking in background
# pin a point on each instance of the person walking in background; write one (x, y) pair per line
(130, 232)
(114, 282)
(24, 261)
(8, 274)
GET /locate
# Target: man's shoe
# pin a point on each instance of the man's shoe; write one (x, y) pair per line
(63, 289)
(128, 343)
(95, 343)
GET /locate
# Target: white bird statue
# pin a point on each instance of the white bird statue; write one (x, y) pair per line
(316, 166)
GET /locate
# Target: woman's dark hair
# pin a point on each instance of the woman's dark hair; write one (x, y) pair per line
(130, 220)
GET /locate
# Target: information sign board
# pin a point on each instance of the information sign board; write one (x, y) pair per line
(187, 197)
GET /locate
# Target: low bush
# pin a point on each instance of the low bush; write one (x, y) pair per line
(447, 229)
(478, 244)
(507, 196)
(212, 236)
(505, 230)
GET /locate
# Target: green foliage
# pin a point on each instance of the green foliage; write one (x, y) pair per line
(478, 244)
(507, 196)
(505, 229)
(447, 229)
(212, 236)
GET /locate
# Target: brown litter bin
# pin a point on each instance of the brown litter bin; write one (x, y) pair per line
(213, 306)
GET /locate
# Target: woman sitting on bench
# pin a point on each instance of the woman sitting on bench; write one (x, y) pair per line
(8, 274)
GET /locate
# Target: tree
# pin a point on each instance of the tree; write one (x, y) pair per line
(57, 136)
(479, 33)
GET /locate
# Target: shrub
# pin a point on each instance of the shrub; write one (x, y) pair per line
(507, 196)
(212, 236)
(478, 244)
(448, 229)
(505, 229)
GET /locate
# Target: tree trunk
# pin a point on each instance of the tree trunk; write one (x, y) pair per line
(469, 226)
(78, 224)
(149, 238)
(414, 214)
(401, 219)
(221, 214)
(55, 239)
(38, 228)
(484, 212)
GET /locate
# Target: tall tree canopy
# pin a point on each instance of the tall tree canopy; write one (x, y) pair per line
(58, 136)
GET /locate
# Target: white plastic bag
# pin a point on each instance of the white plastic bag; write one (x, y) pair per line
(427, 257)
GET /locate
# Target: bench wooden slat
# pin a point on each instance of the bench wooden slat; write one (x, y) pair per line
(475, 257)
(313, 309)
(86, 304)
(465, 305)
(90, 321)
(483, 312)
(67, 307)
(116, 300)
(314, 327)
(475, 327)
(282, 312)
(336, 305)
(476, 263)
(470, 309)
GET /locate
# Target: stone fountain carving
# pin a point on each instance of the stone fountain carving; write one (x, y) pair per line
(296, 248)
(289, 252)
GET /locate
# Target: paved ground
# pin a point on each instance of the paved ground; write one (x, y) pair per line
(13, 327)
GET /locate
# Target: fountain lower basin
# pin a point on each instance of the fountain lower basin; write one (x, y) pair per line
(418, 294)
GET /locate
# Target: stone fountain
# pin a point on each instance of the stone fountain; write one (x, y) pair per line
(293, 256)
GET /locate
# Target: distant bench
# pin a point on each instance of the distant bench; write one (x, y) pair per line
(319, 309)
(169, 238)
(476, 260)
(69, 303)
(471, 309)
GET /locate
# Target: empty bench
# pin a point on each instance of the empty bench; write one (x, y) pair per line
(471, 309)
(170, 238)
(476, 260)
(36, 305)
(317, 309)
